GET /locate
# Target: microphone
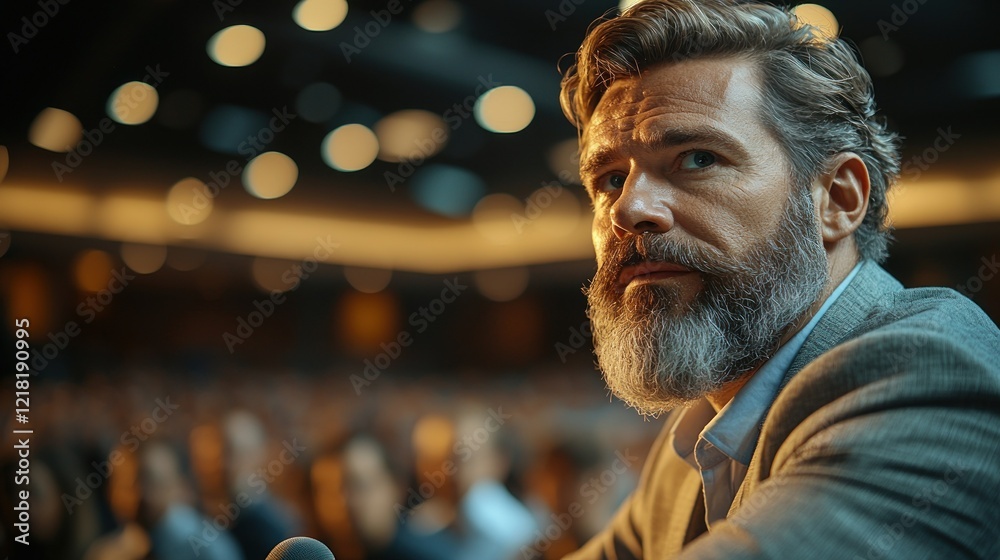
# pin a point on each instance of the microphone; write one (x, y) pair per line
(300, 548)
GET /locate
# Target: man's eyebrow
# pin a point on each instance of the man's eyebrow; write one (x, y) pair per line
(666, 138)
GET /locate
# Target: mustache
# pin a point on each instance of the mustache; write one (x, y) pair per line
(658, 248)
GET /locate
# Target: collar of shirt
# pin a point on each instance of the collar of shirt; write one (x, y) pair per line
(720, 445)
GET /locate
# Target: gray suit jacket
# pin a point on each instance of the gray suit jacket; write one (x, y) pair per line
(884, 442)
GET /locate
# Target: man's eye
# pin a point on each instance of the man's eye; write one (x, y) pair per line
(612, 182)
(697, 160)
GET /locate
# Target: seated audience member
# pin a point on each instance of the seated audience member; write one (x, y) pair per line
(263, 521)
(177, 531)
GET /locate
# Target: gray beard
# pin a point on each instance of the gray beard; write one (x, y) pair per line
(657, 354)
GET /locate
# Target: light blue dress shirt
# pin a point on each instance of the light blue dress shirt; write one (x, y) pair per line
(720, 446)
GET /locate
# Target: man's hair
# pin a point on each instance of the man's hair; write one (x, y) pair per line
(817, 98)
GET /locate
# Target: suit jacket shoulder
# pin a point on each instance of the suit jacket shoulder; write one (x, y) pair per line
(890, 418)
(882, 443)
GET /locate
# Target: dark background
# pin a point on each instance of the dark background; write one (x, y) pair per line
(936, 66)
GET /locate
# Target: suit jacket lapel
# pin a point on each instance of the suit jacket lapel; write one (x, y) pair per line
(854, 305)
(870, 285)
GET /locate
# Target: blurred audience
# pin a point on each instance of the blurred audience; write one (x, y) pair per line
(418, 469)
(61, 526)
(374, 496)
(176, 530)
(261, 520)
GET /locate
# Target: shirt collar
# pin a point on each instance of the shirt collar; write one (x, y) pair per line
(734, 430)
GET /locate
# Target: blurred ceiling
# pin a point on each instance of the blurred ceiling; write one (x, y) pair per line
(937, 68)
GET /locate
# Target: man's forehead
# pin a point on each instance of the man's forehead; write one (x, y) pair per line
(694, 86)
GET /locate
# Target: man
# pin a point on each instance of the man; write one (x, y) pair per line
(819, 410)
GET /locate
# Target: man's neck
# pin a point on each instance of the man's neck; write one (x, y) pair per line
(839, 265)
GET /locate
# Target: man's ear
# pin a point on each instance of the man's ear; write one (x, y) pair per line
(841, 196)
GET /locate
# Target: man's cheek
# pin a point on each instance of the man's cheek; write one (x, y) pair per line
(601, 235)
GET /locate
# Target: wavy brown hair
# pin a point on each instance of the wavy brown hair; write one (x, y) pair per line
(818, 98)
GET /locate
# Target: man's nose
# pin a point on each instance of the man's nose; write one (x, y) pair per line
(642, 206)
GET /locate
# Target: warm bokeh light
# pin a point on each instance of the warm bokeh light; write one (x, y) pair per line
(553, 211)
(493, 217)
(319, 15)
(437, 16)
(367, 280)
(4, 162)
(351, 147)
(564, 160)
(63, 211)
(29, 294)
(189, 201)
(270, 175)
(144, 259)
(364, 321)
(365, 239)
(239, 45)
(273, 274)
(433, 435)
(135, 216)
(818, 17)
(410, 135)
(502, 285)
(92, 270)
(626, 4)
(931, 201)
(55, 130)
(505, 109)
(133, 103)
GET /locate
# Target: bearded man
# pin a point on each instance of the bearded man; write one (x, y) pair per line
(738, 175)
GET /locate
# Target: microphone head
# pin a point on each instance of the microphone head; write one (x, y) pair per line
(300, 548)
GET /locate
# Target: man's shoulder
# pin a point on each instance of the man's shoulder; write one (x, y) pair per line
(931, 320)
(876, 313)
(909, 346)
(932, 302)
